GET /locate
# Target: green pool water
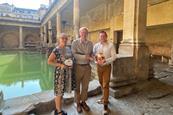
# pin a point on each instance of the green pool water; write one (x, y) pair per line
(23, 73)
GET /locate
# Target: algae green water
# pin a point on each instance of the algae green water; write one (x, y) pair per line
(24, 73)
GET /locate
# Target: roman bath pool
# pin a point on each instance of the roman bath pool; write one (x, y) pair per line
(23, 73)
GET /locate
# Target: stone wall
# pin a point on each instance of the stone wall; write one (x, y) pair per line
(160, 13)
(123, 71)
(31, 35)
(97, 19)
(159, 40)
(9, 36)
(109, 16)
(106, 16)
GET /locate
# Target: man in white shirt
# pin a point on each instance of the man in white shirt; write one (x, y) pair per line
(105, 54)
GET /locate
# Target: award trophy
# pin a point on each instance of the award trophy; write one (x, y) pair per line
(99, 57)
(68, 62)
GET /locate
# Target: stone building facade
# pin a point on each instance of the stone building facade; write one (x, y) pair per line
(18, 26)
(7, 10)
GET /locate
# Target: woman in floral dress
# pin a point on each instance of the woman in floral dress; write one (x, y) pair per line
(61, 59)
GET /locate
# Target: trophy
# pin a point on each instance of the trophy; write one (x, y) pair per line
(68, 62)
(100, 57)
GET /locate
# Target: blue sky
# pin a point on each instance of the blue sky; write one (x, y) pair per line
(31, 4)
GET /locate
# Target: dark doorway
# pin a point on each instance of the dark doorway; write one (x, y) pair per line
(118, 37)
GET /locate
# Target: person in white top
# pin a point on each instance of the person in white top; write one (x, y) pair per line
(105, 54)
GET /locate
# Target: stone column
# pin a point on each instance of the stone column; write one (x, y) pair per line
(44, 36)
(20, 37)
(141, 51)
(171, 60)
(41, 35)
(76, 19)
(50, 33)
(58, 24)
(134, 25)
(50, 2)
(134, 29)
(133, 62)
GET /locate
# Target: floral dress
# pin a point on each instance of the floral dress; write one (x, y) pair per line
(63, 80)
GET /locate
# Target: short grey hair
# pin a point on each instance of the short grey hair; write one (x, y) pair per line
(83, 28)
(63, 35)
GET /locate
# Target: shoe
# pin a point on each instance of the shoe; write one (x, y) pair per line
(85, 106)
(106, 111)
(61, 112)
(64, 113)
(55, 112)
(100, 101)
(79, 109)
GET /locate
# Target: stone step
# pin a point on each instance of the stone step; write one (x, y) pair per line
(123, 83)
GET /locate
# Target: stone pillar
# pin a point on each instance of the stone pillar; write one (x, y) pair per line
(134, 29)
(50, 2)
(50, 33)
(171, 60)
(76, 19)
(20, 37)
(134, 25)
(58, 24)
(133, 62)
(44, 36)
(141, 51)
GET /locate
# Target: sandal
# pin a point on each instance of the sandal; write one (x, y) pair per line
(57, 113)
(85, 106)
(79, 109)
(106, 111)
(100, 101)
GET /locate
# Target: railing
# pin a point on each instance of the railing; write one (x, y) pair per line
(33, 46)
(19, 16)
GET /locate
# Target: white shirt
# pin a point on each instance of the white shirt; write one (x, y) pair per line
(107, 49)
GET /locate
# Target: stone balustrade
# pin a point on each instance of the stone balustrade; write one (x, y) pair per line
(20, 16)
(123, 71)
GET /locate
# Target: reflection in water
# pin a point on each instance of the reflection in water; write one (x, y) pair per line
(23, 73)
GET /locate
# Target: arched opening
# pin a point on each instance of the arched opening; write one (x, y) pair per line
(31, 41)
(10, 40)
